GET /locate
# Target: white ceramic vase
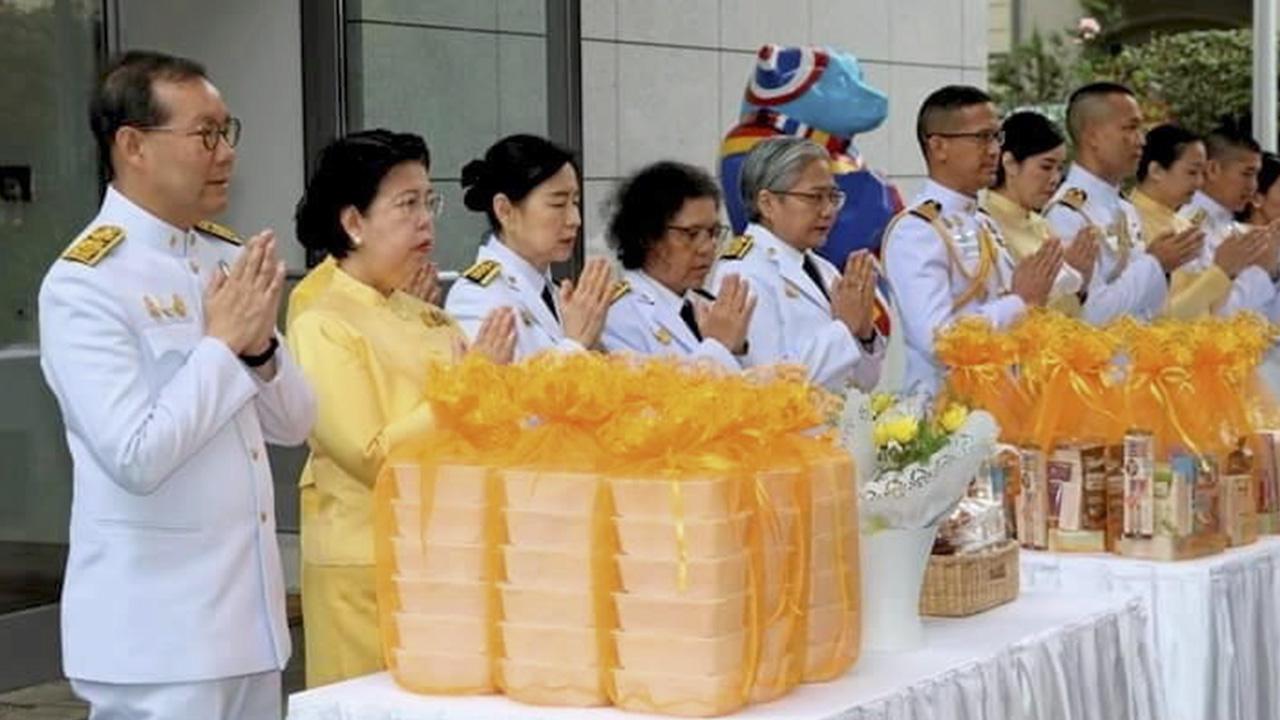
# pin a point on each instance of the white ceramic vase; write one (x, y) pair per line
(893, 565)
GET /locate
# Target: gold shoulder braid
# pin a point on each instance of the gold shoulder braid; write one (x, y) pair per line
(739, 248)
(222, 232)
(931, 212)
(622, 287)
(483, 273)
(99, 243)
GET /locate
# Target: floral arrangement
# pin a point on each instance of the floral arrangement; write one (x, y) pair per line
(914, 460)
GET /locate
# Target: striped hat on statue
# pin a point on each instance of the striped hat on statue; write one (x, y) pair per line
(783, 74)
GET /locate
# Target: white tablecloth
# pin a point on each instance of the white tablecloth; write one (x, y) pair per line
(1215, 622)
(1043, 657)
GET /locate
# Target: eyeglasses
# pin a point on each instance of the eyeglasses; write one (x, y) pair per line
(209, 135)
(984, 137)
(413, 204)
(702, 233)
(833, 199)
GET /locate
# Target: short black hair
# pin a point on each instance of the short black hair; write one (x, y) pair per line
(1082, 100)
(124, 95)
(1027, 134)
(348, 174)
(648, 201)
(1229, 137)
(1165, 144)
(514, 166)
(942, 102)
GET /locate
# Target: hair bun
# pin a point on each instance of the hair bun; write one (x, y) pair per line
(475, 180)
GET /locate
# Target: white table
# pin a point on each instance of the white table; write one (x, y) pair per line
(1215, 622)
(1042, 657)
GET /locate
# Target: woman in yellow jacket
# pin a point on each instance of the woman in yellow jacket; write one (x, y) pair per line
(364, 345)
(1032, 154)
(1169, 174)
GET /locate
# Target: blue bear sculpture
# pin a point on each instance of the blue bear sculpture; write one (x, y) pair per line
(820, 94)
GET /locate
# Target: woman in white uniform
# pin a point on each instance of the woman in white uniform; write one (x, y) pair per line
(529, 189)
(666, 230)
(808, 313)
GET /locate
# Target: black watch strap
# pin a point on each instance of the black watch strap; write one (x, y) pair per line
(259, 360)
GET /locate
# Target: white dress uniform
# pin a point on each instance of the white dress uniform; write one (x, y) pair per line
(945, 260)
(645, 318)
(792, 322)
(1126, 280)
(173, 574)
(501, 278)
(1252, 289)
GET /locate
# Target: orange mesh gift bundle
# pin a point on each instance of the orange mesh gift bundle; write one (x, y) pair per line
(980, 362)
(583, 530)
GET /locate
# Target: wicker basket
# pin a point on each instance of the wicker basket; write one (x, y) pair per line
(961, 585)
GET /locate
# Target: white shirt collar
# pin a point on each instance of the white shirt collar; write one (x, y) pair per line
(660, 293)
(142, 226)
(1218, 215)
(1094, 186)
(512, 262)
(776, 246)
(952, 201)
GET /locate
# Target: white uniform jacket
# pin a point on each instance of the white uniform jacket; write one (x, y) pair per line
(645, 319)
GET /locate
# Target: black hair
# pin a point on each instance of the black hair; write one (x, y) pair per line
(125, 97)
(348, 174)
(1165, 145)
(1078, 100)
(1027, 134)
(514, 166)
(1267, 177)
(648, 201)
(944, 101)
(1230, 137)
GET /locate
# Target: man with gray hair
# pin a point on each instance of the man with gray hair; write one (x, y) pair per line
(807, 311)
(945, 259)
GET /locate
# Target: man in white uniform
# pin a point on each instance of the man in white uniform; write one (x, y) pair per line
(945, 259)
(1231, 179)
(1131, 277)
(157, 335)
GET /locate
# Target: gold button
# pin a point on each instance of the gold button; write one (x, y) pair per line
(263, 518)
(254, 454)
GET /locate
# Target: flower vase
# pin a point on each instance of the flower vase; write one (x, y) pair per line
(893, 565)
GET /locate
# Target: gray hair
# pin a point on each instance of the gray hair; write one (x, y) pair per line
(775, 164)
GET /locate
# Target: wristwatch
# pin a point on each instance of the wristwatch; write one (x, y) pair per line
(264, 357)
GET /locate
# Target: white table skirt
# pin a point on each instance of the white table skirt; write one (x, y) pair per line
(1215, 622)
(1043, 657)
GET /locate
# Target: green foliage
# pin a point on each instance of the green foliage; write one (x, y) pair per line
(1194, 78)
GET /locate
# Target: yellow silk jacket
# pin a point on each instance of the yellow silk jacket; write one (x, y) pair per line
(1191, 294)
(365, 355)
(1024, 231)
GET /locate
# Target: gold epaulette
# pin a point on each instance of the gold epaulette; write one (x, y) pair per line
(483, 272)
(222, 232)
(622, 287)
(739, 248)
(99, 243)
(1074, 198)
(929, 211)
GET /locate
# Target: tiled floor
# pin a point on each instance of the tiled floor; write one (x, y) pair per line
(54, 701)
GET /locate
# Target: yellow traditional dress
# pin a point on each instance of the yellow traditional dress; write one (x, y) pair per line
(311, 286)
(1024, 231)
(365, 355)
(1192, 293)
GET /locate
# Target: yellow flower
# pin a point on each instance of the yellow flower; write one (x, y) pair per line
(881, 435)
(902, 430)
(953, 417)
(880, 402)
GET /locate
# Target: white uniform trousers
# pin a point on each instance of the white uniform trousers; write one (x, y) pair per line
(245, 697)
